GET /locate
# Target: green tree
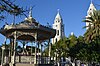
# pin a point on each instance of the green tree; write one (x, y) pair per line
(88, 52)
(71, 42)
(83, 54)
(80, 47)
(60, 48)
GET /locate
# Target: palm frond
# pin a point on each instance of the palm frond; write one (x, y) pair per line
(93, 27)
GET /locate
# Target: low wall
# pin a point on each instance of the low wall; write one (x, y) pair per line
(34, 64)
(24, 59)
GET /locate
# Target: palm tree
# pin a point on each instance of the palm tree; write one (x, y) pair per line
(92, 35)
(93, 31)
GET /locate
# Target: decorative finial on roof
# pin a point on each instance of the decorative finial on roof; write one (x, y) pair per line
(30, 13)
(58, 10)
(58, 14)
(91, 1)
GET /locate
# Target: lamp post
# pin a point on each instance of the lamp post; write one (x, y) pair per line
(3, 48)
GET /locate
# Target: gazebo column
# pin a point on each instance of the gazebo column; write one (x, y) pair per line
(41, 53)
(2, 61)
(14, 51)
(10, 50)
(35, 62)
(31, 52)
(5, 57)
(38, 53)
(49, 51)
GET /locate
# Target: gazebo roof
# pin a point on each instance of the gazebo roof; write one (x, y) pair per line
(27, 30)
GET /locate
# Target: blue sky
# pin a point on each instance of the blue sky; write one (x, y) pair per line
(72, 12)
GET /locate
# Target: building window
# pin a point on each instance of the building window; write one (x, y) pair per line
(56, 25)
(56, 39)
(57, 32)
(56, 21)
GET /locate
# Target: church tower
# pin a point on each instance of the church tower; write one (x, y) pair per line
(59, 26)
(90, 11)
